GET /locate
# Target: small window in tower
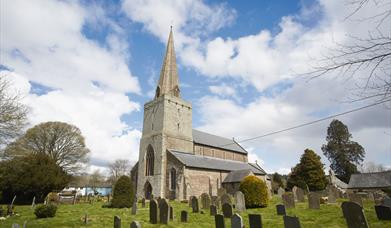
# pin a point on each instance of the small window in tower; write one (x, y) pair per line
(178, 126)
(173, 179)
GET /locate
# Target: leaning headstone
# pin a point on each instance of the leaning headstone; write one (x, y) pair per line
(153, 211)
(280, 191)
(33, 203)
(383, 212)
(205, 201)
(134, 207)
(291, 222)
(300, 194)
(184, 216)
(213, 210)
(195, 205)
(236, 221)
(313, 200)
(171, 213)
(227, 210)
(288, 200)
(225, 198)
(117, 222)
(219, 221)
(135, 224)
(240, 203)
(255, 220)
(353, 197)
(280, 209)
(354, 215)
(143, 202)
(163, 211)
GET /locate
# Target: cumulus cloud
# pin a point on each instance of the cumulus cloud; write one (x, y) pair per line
(223, 90)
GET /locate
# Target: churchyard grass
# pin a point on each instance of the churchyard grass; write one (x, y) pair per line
(72, 216)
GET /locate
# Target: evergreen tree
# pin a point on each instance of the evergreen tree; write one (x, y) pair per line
(123, 194)
(343, 154)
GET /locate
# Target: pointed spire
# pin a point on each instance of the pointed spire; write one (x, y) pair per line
(169, 82)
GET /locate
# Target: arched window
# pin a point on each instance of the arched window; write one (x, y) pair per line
(149, 161)
(173, 179)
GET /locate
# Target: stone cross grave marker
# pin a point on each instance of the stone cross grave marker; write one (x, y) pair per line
(153, 211)
(383, 212)
(291, 222)
(240, 203)
(219, 221)
(227, 210)
(236, 221)
(213, 210)
(163, 211)
(135, 224)
(353, 197)
(184, 216)
(205, 201)
(313, 200)
(280, 209)
(117, 222)
(195, 205)
(288, 200)
(255, 220)
(354, 215)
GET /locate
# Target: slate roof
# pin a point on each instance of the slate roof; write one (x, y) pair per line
(207, 139)
(370, 180)
(237, 176)
(205, 162)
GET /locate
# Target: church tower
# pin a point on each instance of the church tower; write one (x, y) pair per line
(167, 125)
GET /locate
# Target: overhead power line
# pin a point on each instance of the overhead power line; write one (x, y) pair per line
(309, 123)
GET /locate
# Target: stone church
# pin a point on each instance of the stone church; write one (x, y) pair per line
(177, 161)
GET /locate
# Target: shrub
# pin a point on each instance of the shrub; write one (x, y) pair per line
(255, 192)
(45, 211)
(123, 193)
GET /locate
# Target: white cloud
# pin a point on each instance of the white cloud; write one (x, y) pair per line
(223, 90)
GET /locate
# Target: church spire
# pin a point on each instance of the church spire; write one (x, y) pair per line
(169, 82)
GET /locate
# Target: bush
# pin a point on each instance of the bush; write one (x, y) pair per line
(123, 193)
(255, 192)
(45, 211)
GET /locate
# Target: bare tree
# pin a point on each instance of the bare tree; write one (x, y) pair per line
(367, 58)
(95, 180)
(119, 168)
(13, 114)
(371, 167)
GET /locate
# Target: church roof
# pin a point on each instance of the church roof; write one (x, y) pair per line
(370, 180)
(205, 162)
(207, 139)
(237, 176)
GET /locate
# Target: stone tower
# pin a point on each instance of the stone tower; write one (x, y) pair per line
(167, 125)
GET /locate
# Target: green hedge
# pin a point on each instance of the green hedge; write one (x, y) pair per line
(45, 211)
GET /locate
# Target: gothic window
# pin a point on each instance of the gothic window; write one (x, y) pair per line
(173, 179)
(149, 161)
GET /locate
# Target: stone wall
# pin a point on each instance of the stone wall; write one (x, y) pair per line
(218, 153)
(201, 180)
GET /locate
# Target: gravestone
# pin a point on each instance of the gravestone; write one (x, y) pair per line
(213, 210)
(332, 194)
(387, 202)
(294, 189)
(117, 222)
(33, 203)
(313, 200)
(300, 194)
(171, 213)
(354, 215)
(153, 211)
(291, 222)
(227, 210)
(215, 201)
(190, 200)
(280, 191)
(383, 212)
(205, 201)
(236, 221)
(280, 209)
(194, 204)
(255, 220)
(135, 224)
(240, 203)
(219, 221)
(134, 207)
(164, 211)
(225, 198)
(15, 225)
(184, 216)
(288, 200)
(143, 202)
(353, 197)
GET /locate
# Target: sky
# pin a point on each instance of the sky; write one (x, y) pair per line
(95, 63)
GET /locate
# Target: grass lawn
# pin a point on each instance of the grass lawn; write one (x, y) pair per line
(72, 216)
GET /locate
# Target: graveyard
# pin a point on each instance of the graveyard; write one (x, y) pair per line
(329, 215)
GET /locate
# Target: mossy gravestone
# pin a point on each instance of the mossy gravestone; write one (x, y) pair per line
(227, 210)
(205, 201)
(164, 211)
(288, 200)
(194, 204)
(354, 215)
(240, 203)
(153, 211)
(313, 200)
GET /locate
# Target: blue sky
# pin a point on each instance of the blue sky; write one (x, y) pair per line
(94, 64)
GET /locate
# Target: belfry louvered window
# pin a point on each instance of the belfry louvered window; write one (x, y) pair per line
(149, 161)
